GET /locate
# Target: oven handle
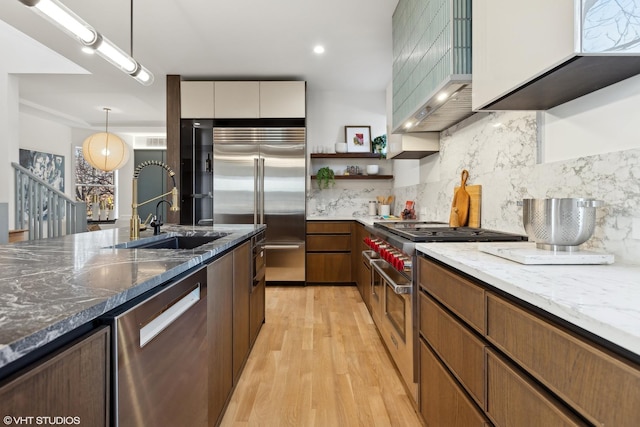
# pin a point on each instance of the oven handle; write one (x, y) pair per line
(398, 289)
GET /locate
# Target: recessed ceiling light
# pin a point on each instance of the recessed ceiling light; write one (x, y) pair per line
(88, 50)
(408, 125)
(318, 49)
(442, 96)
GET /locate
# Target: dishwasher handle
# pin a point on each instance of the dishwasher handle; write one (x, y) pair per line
(168, 316)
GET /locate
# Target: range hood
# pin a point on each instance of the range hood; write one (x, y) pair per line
(556, 52)
(449, 104)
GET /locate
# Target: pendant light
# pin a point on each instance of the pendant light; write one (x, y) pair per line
(64, 18)
(104, 150)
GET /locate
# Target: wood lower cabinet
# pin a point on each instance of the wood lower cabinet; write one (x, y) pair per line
(515, 400)
(329, 252)
(241, 307)
(519, 367)
(442, 401)
(231, 330)
(73, 382)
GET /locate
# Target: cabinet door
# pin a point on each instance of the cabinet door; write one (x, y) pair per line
(460, 350)
(241, 295)
(515, 41)
(196, 100)
(74, 382)
(459, 295)
(286, 99)
(328, 267)
(330, 227)
(219, 332)
(514, 400)
(442, 401)
(329, 243)
(237, 100)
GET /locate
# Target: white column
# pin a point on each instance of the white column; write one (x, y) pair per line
(9, 139)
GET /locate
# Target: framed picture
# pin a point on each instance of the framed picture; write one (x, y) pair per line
(358, 139)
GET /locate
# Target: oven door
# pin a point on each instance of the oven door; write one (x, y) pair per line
(395, 321)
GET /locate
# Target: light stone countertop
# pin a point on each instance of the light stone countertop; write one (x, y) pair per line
(52, 286)
(601, 299)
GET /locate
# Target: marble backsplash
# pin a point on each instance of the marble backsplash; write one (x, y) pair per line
(346, 199)
(499, 151)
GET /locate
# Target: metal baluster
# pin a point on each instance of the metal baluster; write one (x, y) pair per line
(30, 206)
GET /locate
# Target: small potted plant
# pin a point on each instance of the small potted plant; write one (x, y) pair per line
(325, 176)
(379, 144)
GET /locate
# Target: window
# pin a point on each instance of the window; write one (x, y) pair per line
(92, 182)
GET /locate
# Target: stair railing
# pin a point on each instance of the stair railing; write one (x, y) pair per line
(42, 209)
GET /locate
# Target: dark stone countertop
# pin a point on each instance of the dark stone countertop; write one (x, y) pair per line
(51, 287)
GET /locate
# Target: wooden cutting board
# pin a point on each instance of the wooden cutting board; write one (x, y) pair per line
(475, 204)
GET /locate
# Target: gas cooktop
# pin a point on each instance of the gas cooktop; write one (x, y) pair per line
(442, 232)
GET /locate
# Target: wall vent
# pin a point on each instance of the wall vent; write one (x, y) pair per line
(156, 143)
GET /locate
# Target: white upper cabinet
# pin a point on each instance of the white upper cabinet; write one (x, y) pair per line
(237, 100)
(535, 55)
(282, 99)
(196, 100)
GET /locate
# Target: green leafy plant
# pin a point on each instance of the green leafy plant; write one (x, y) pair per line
(325, 176)
(379, 144)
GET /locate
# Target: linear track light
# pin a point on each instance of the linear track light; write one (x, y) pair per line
(64, 18)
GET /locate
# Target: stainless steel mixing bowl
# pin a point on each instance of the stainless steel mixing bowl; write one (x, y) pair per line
(559, 224)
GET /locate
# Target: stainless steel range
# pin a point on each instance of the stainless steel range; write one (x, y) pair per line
(392, 260)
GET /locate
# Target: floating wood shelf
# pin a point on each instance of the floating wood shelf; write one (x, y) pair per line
(345, 155)
(359, 177)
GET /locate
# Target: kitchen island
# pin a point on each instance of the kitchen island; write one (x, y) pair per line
(50, 287)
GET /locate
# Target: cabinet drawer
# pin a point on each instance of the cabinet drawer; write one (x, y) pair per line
(461, 296)
(329, 227)
(514, 400)
(329, 243)
(461, 351)
(442, 401)
(604, 388)
(329, 267)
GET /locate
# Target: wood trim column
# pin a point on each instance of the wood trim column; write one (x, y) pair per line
(173, 136)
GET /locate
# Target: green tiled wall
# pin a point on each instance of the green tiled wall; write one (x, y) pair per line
(431, 40)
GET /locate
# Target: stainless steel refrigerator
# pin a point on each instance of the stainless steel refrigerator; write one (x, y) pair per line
(259, 178)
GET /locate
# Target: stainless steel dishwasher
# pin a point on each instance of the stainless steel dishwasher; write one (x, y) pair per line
(160, 366)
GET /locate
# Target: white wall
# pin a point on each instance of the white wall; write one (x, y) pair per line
(9, 139)
(39, 134)
(328, 112)
(604, 121)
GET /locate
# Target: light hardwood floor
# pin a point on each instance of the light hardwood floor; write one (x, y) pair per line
(318, 361)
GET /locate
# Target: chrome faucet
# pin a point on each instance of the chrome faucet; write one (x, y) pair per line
(134, 224)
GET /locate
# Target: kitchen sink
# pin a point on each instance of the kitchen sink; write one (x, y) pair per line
(174, 242)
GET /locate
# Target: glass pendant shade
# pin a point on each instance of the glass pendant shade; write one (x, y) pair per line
(105, 151)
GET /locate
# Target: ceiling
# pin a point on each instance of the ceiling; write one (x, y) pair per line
(197, 39)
